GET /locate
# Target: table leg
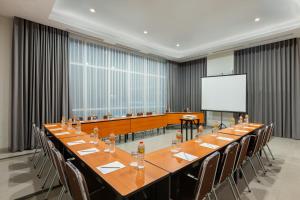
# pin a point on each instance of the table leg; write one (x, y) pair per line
(181, 129)
(186, 130)
(191, 130)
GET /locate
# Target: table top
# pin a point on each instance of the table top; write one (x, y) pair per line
(165, 159)
(57, 131)
(126, 180)
(241, 129)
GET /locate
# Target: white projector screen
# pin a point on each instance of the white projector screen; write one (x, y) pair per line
(224, 93)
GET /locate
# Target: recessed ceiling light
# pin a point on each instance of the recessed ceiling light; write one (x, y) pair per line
(177, 45)
(145, 32)
(92, 10)
(257, 19)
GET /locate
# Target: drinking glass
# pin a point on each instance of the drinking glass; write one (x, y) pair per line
(107, 146)
(197, 138)
(134, 157)
(174, 147)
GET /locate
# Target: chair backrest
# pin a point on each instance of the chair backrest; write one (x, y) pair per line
(244, 144)
(50, 146)
(207, 175)
(265, 136)
(258, 141)
(129, 115)
(270, 133)
(94, 117)
(228, 161)
(61, 166)
(148, 113)
(139, 114)
(76, 182)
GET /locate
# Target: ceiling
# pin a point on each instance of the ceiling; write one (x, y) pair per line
(200, 27)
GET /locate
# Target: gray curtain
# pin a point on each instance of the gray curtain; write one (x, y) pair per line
(273, 84)
(185, 84)
(39, 79)
(173, 87)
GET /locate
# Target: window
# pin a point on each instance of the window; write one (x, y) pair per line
(104, 79)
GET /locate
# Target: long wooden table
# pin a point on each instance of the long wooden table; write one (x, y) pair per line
(241, 129)
(160, 165)
(126, 125)
(165, 159)
(126, 181)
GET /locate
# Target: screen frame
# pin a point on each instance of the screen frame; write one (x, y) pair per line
(227, 111)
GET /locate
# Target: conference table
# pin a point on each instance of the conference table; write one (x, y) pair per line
(125, 182)
(133, 124)
(162, 167)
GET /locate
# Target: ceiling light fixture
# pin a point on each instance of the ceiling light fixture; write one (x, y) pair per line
(92, 10)
(145, 32)
(177, 45)
(257, 19)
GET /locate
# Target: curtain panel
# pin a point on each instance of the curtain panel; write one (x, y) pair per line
(40, 85)
(190, 74)
(273, 84)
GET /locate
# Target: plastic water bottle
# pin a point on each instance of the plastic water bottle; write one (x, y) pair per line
(141, 153)
(246, 120)
(241, 120)
(63, 122)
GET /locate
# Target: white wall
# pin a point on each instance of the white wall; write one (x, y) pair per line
(5, 80)
(219, 64)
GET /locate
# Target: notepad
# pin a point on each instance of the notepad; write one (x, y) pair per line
(62, 133)
(237, 130)
(248, 127)
(185, 156)
(110, 167)
(75, 142)
(49, 126)
(254, 125)
(88, 151)
(56, 129)
(224, 138)
(211, 146)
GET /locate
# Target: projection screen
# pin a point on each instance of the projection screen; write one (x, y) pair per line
(224, 93)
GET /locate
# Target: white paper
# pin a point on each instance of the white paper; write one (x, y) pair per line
(248, 127)
(224, 138)
(88, 151)
(185, 156)
(56, 129)
(115, 166)
(76, 142)
(211, 146)
(53, 125)
(237, 130)
(62, 133)
(256, 125)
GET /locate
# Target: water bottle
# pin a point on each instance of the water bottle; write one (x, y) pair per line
(246, 120)
(141, 153)
(241, 119)
(63, 122)
(78, 127)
